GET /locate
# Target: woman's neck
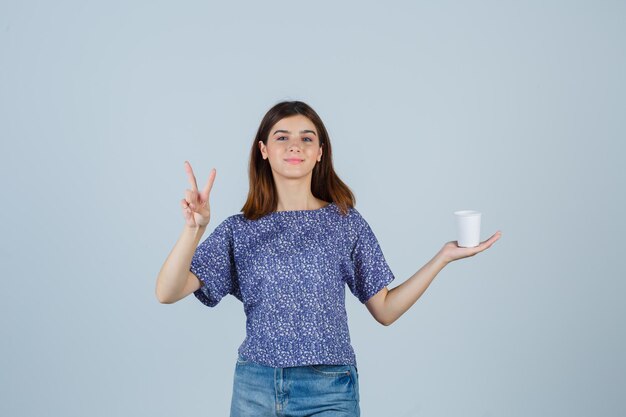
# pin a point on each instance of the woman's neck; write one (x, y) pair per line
(295, 194)
(310, 203)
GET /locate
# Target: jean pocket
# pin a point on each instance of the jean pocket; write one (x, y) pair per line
(330, 370)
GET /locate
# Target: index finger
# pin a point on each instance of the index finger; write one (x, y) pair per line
(192, 178)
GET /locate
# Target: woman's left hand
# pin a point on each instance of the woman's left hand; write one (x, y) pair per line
(452, 252)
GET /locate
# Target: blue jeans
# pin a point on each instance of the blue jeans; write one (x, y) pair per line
(297, 391)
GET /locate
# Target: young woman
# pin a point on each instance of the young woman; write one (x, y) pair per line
(288, 257)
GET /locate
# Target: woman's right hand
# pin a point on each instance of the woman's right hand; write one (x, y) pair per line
(195, 205)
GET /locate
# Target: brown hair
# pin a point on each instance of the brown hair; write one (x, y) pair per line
(325, 184)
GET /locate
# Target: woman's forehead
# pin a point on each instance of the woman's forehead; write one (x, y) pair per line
(294, 124)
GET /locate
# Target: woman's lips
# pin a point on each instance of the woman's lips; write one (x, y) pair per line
(293, 161)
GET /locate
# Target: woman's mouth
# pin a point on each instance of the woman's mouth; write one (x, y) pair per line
(293, 161)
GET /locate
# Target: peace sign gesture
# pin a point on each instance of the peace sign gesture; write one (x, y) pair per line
(195, 205)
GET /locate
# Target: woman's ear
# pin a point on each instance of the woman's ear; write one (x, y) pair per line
(262, 148)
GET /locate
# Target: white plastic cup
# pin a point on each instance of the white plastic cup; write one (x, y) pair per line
(468, 228)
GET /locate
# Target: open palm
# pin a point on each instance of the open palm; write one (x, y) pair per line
(451, 251)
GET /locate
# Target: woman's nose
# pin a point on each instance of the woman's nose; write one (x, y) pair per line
(294, 146)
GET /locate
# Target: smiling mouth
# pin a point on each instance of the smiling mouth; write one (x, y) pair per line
(293, 161)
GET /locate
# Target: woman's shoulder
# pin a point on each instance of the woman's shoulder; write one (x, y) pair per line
(351, 214)
(351, 221)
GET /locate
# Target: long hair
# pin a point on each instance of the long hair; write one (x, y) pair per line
(325, 184)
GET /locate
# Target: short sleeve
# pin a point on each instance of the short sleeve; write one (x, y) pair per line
(213, 263)
(371, 271)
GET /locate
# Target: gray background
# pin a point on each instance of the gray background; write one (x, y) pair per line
(515, 109)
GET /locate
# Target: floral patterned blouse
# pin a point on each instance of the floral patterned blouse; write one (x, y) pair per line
(290, 269)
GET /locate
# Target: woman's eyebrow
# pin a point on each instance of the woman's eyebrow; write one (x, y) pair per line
(302, 131)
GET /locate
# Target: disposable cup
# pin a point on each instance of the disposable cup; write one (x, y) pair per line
(468, 228)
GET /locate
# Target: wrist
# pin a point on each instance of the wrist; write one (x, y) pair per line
(441, 260)
(195, 230)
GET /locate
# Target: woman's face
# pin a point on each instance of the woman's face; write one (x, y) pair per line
(293, 147)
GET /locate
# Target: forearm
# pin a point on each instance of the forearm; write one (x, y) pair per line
(174, 272)
(402, 297)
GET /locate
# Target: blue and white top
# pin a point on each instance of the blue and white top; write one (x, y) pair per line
(289, 269)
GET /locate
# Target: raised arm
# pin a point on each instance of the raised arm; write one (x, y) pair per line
(387, 306)
(175, 281)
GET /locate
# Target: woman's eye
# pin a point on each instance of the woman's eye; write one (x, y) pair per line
(305, 139)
